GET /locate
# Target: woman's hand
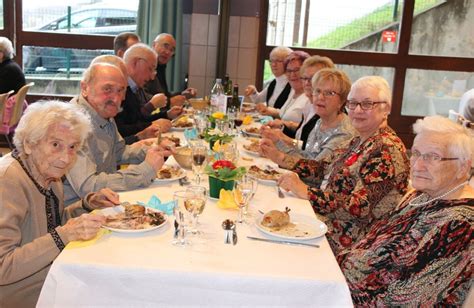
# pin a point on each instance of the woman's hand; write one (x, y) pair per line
(291, 182)
(272, 134)
(250, 90)
(278, 124)
(105, 197)
(269, 150)
(83, 227)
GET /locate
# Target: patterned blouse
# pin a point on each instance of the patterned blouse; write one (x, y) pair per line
(364, 183)
(417, 256)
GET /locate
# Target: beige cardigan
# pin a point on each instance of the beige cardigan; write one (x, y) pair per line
(26, 248)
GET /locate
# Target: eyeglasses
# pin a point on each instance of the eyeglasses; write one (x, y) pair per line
(325, 93)
(293, 71)
(364, 105)
(275, 61)
(168, 47)
(151, 68)
(306, 79)
(429, 157)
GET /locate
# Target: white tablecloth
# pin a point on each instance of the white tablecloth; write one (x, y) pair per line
(146, 270)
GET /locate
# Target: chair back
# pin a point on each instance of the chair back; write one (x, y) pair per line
(3, 99)
(20, 105)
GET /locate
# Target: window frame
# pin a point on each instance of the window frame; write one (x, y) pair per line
(401, 61)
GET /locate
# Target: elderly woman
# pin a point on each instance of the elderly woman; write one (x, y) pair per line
(276, 92)
(34, 225)
(301, 130)
(421, 254)
(11, 75)
(364, 182)
(292, 109)
(332, 131)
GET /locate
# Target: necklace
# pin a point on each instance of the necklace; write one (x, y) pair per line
(423, 195)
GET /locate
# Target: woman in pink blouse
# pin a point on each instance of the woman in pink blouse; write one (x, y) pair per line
(365, 181)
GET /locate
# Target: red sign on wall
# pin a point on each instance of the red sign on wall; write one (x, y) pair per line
(389, 36)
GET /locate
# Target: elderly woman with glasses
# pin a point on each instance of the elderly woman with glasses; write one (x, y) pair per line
(421, 253)
(367, 179)
(292, 109)
(332, 131)
(34, 224)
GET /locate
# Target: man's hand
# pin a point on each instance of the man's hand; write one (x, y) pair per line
(158, 100)
(189, 93)
(102, 199)
(155, 157)
(177, 100)
(174, 112)
(164, 125)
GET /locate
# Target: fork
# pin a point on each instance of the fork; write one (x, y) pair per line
(184, 181)
(280, 192)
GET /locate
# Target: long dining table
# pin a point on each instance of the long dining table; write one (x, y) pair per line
(146, 270)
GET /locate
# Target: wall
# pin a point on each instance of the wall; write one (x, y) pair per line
(242, 43)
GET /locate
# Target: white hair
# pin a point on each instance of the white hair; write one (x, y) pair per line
(459, 139)
(281, 52)
(6, 47)
(111, 59)
(94, 68)
(384, 93)
(42, 115)
(137, 51)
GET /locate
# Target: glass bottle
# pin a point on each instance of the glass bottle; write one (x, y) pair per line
(218, 100)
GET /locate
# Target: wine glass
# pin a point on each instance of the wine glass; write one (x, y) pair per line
(201, 123)
(238, 120)
(199, 152)
(254, 190)
(195, 204)
(180, 214)
(243, 190)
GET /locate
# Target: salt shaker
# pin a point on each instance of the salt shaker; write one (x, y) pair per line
(229, 227)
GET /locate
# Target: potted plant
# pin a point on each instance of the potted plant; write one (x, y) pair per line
(222, 174)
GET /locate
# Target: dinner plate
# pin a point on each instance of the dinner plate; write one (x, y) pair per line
(267, 181)
(251, 134)
(119, 209)
(180, 129)
(301, 227)
(251, 152)
(182, 174)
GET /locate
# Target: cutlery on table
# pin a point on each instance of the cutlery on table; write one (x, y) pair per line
(282, 242)
(176, 228)
(184, 181)
(281, 194)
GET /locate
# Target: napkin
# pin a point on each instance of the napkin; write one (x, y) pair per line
(226, 200)
(265, 119)
(190, 134)
(80, 244)
(155, 203)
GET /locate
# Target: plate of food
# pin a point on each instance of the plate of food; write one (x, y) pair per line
(252, 131)
(267, 175)
(253, 147)
(170, 173)
(133, 218)
(182, 123)
(286, 225)
(172, 138)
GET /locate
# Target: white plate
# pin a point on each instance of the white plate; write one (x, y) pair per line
(265, 181)
(181, 129)
(181, 175)
(302, 227)
(119, 209)
(251, 134)
(257, 154)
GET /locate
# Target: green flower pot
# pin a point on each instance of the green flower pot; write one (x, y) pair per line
(215, 186)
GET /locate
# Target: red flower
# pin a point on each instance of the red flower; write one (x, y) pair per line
(219, 164)
(345, 240)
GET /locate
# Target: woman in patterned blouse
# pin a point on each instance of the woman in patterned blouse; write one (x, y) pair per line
(367, 180)
(421, 254)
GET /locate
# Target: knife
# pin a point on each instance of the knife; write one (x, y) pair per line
(176, 228)
(282, 242)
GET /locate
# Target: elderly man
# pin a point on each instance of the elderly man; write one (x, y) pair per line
(139, 118)
(102, 90)
(124, 41)
(165, 46)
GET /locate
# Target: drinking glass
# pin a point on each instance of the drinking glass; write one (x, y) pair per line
(196, 204)
(238, 120)
(243, 191)
(201, 123)
(181, 218)
(199, 152)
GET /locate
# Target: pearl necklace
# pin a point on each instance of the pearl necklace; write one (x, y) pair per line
(412, 202)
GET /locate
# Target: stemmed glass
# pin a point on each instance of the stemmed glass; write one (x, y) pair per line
(201, 123)
(199, 152)
(180, 213)
(195, 204)
(243, 192)
(238, 120)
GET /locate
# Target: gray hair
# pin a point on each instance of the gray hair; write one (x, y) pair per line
(6, 47)
(281, 52)
(42, 115)
(460, 139)
(111, 59)
(378, 83)
(163, 35)
(91, 72)
(137, 51)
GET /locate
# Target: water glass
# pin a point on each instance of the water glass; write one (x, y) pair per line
(200, 158)
(196, 204)
(181, 218)
(243, 192)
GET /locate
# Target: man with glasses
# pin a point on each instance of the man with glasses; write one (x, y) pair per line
(165, 47)
(142, 118)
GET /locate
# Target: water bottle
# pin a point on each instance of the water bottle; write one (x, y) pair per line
(218, 99)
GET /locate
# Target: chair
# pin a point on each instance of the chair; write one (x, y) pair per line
(12, 112)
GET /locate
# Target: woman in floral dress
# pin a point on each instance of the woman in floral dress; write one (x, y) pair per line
(421, 254)
(367, 180)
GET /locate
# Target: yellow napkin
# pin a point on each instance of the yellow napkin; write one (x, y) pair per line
(247, 120)
(226, 200)
(80, 244)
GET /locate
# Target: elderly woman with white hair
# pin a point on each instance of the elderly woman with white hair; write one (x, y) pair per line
(11, 75)
(34, 224)
(421, 253)
(367, 179)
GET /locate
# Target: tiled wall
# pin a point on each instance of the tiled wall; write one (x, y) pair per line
(241, 55)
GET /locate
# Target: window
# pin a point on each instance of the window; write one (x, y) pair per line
(424, 48)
